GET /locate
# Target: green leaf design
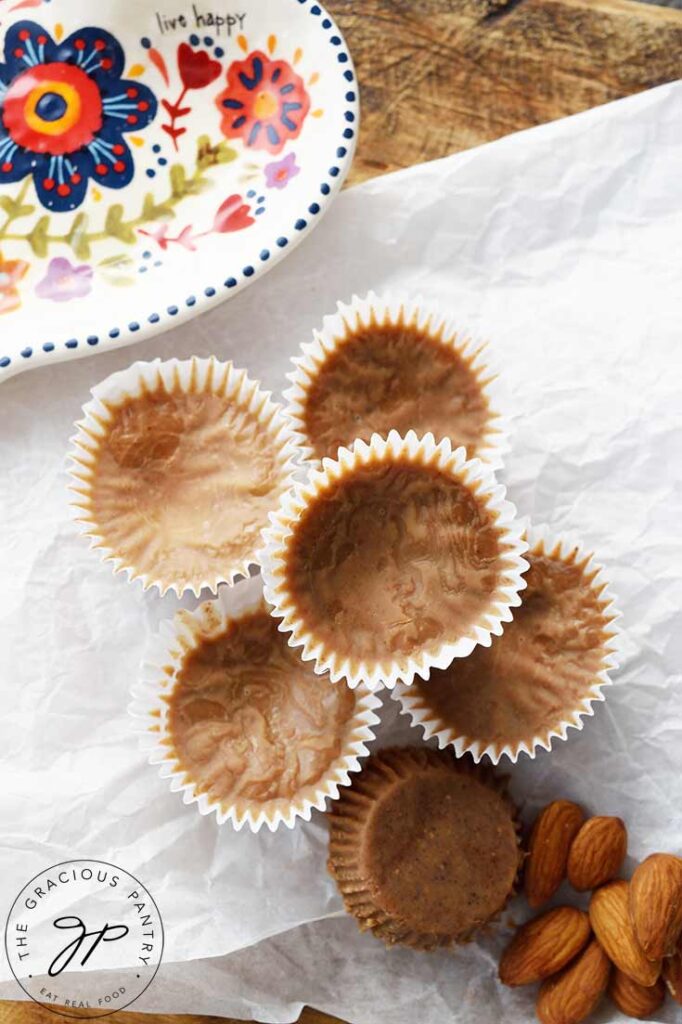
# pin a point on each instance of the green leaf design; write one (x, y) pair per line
(208, 154)
(114, 218)
(181, 184)
(226, 154)
(178, 180)
(114, 269)
(37, 238)
(77, 237)
(120, 281)
(151, 210)
(203, 150)
(14, 208)
(121, 259)
(115, 226)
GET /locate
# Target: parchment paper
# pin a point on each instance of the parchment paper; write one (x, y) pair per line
(563, 245)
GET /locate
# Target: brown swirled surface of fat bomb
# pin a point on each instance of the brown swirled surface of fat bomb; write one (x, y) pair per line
(393, 559)
(394, 376)
(424, 850)
(248, 719)
(537, 672)
(183, 484)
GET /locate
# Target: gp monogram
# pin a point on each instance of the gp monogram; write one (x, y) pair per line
(84, 938)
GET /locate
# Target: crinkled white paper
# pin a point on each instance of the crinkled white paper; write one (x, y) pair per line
(563, 245)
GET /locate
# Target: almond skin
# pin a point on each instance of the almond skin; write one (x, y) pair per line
(597, 853)
(544, 945)
(610, 920)
(656, 904)
(550, 840)
(571, 996)
(672, 975)
(635, 1000)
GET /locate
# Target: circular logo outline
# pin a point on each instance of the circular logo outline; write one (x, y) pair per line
(62, 1012)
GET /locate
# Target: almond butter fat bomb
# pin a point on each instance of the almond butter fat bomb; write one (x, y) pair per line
(181, 476)
(250, 723)
(535, 680)
(393, 560)
(424, 848)
(395, 375)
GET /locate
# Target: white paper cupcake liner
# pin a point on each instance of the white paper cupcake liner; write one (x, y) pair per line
(149, 710)
(396, 309)
(424, 452)
(541, 540)
(209, 375)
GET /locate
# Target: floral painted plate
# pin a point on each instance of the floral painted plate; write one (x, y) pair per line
(156, 159)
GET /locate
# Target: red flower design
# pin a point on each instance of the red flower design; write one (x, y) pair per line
(196, 68)
(53, 108)
(265, 102)
(64, 112)
(232, 215)
(160, 235)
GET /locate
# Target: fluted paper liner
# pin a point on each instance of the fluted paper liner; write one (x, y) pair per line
(397, 309)
(348, 817)
(424, 452)
(565, 547)
(149, 710)
(198, 375)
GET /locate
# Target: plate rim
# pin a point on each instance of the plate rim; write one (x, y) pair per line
(211, 295)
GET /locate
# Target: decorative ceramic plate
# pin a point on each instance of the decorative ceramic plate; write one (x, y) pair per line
(155, 159)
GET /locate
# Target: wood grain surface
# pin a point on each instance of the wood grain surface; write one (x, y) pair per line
(440, 76)
(31, 1013)
(444, 75)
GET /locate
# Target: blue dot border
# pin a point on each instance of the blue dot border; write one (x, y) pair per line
(212, 295)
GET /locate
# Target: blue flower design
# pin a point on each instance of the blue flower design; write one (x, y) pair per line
(64, 110)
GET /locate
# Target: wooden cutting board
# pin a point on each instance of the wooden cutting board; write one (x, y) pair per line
(445, 75)
(31, 1013)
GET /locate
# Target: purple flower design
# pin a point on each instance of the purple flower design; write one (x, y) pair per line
(63, 281)
(279, 173)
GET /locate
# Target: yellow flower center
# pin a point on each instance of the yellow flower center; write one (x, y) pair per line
(71, 102)
(265, 106)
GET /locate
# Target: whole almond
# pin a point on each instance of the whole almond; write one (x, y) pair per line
(635, 1000)
(544, 945)
(572, 995)
(550, 840)
(597, 853)
(656, 904)
(672, 975)
(610, 920)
